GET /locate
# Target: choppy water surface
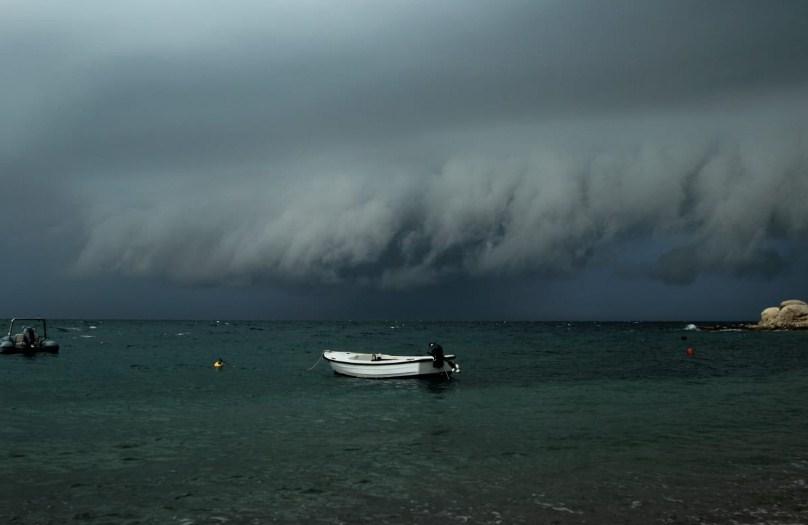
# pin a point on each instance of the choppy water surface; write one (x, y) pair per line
(547, 423)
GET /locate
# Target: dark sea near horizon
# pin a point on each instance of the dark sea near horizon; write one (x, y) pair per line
(546, 423)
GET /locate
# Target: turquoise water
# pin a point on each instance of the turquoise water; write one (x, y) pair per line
(547, 423)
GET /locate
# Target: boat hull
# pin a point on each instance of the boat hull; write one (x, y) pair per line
(387, 366)
(28, 341)
(8, 347)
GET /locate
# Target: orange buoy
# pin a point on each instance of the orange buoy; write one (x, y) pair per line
(690, 351)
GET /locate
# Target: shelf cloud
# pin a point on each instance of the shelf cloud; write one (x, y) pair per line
(396, 145)
(723, 203)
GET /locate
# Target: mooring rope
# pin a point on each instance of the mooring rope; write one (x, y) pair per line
(315, 364)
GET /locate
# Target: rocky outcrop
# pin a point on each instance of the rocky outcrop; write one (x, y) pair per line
(791, 314)
(768, 317)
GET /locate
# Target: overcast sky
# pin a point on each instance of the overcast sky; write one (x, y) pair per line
(405, 159)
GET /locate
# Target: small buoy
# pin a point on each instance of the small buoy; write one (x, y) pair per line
(690, 351)
(219, 363)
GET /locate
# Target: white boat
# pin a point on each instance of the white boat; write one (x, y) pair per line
(387, 366)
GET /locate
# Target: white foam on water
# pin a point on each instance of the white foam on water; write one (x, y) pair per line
(558, 507)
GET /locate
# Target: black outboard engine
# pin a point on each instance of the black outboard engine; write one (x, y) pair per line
(436, 351)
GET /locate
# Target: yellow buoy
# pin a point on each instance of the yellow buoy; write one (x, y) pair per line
(218, 363)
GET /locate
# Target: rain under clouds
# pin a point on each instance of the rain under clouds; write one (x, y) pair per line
(394, 147)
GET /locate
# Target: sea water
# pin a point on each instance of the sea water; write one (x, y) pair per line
(547, 423)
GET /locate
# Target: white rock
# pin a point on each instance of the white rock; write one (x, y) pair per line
(789, 302)
(792, 313)
(768, 317)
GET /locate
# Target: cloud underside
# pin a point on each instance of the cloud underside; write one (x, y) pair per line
(669, 210)
(404, 144)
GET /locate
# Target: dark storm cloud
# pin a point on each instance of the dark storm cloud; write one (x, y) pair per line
(545, 210)
(405, 143)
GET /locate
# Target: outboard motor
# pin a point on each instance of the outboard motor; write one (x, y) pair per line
(436, 351)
